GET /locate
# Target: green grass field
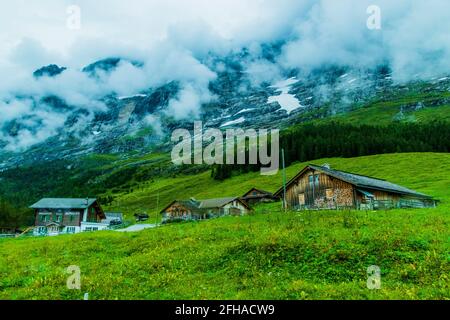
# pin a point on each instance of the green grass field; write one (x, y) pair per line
(384, 111)
(266, 255)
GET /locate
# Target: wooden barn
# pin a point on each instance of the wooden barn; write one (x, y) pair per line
(203, 209)
(54, 216)
(254, 196)
(320, 187)
(9, 232)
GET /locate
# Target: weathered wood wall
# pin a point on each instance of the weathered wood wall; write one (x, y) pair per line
(177, 210)
(322, 192)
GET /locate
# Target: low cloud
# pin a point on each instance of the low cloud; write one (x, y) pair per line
(188, 102)
(174, 41)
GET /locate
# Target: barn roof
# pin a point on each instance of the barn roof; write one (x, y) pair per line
(64, 203)
(263, 192)
(191, 204)
(359, 181)
(196, 205)
(215, 203)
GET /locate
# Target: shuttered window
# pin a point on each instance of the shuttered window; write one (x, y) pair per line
(301, 199)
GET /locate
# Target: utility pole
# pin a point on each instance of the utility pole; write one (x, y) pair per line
(284, 180)
(157, 208)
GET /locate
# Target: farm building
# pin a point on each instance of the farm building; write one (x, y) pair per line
(54, 216)
(113, 218)
(9, 232)
(257, 195)
(320, 187)
(203, 209)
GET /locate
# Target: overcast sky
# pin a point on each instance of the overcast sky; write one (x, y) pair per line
(135, 24)
(172, 36)
(35, 32)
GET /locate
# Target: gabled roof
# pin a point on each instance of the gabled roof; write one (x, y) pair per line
(215, 203)
(200, 205)
(263, 192)
(188, 204)
(64, 203)
(359, 181)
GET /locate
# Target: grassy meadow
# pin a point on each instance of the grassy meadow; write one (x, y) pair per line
(424, 172)
(268, 254)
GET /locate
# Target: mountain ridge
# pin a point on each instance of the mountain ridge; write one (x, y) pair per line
(142, 122)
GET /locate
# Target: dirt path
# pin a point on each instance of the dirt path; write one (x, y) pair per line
(137, 227)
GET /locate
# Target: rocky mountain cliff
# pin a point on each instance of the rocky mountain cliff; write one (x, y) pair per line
(141, 122)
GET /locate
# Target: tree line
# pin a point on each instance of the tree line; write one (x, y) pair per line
(12, 217)
(315, 141)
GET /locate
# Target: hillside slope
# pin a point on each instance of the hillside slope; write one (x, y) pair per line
(266, 255)
(407, 169)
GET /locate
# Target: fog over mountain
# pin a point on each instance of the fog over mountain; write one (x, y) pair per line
(180, 51)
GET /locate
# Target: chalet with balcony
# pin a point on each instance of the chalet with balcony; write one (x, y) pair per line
(54, 216)
(320, 187)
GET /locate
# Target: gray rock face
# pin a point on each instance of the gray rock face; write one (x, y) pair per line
(49, 71)
(142, 122)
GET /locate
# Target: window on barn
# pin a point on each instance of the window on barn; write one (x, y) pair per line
(329, 193)
(301, 199)
(314, 180)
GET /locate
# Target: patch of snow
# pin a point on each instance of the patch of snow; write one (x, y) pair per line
(442, 79)
(96, 133)
(243, 110)
(344, 76)
(286, 100)
(229, 123)
(220, 118)
(133, 96)
(352, 80)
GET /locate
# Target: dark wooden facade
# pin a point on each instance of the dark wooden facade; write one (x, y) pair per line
(70, 218)
(180, 210)
(203, 209)
(316, 190)
(313, 188)
(254, 196)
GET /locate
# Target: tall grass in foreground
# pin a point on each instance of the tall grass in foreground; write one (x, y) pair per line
(265, 255)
